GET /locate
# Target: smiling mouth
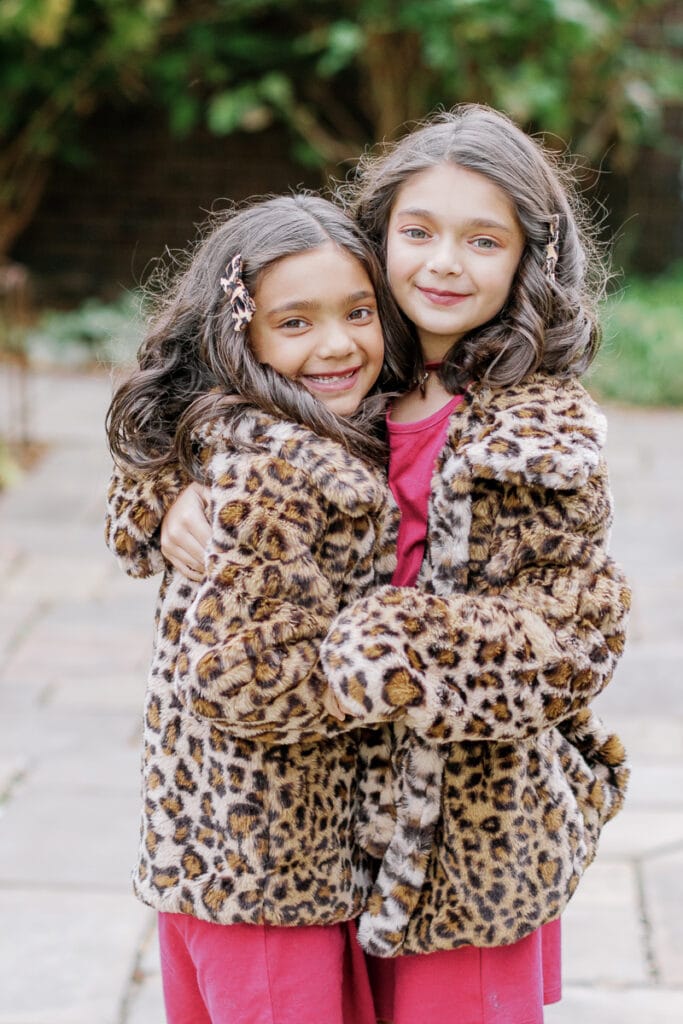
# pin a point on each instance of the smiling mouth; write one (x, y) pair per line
(340, 381)
(441, 298)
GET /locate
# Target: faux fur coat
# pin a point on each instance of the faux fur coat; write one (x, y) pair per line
(248, 787)
(487, 799)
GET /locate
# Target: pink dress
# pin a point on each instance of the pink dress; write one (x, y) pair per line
(506, 984)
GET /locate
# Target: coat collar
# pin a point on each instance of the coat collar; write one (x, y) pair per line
(345, 480)
(545, 431)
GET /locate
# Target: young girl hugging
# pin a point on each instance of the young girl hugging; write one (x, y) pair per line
(252, 381)
(485, 800)
(506, 615)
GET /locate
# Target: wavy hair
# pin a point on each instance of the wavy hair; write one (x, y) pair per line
(550, 326)
(193, 366)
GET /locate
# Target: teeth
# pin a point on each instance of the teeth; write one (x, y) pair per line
(332, 376)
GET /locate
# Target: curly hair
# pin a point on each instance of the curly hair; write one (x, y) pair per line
(544, 325)
(193, 364)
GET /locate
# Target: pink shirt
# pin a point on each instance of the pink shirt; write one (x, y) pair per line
(414, 448)
(481, 986)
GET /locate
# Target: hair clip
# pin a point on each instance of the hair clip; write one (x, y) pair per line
(552, 249)
(242, 306)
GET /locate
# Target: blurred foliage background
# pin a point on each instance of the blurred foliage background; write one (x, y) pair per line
(336, 73)
(320, 80)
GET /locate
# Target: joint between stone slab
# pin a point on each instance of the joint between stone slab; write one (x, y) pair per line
(137, 975)
(651, 965)
(26, 624)
(13, 781)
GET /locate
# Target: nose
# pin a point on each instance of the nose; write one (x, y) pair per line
(337, 341)
(445, 258)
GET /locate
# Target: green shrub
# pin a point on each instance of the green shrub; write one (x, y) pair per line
(96, 332)
(641, 358)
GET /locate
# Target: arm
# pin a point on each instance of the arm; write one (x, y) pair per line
(136, 506)
(536, 639)
(249, 642)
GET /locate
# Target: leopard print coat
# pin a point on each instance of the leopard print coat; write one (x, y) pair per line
(248, 787)
(487, 801)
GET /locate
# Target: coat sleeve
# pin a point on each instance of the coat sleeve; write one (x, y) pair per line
(136, 506)
(534, 642)
(249, 643)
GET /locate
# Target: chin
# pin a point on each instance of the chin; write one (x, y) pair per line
(343, 408)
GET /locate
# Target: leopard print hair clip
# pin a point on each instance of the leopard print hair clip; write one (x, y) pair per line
(552, 249)
(242, 306)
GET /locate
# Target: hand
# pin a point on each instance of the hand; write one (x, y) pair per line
(332, 705)
(185, 532)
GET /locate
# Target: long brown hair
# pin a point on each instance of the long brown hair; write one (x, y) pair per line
(194, 366)
(544, 325)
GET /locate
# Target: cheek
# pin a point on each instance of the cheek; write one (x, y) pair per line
(378, 349)
(508, 282)
(394, 264)
(255, 340)
(500, 282)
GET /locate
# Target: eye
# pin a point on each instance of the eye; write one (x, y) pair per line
(486, 243)
(362, 313)
(295, 323)
(417, 233)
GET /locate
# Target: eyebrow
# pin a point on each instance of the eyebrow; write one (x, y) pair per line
(311, 304)
(475, 222)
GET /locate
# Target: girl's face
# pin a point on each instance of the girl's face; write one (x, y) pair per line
(453, 246)
(316, 322)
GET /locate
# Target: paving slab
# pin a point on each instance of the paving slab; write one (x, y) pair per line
(602, 931)
(100, 760)
(648, 676)
(12, 769)
(630, 1005)
(55, 577)
(656, 785)
(75, 838)
(67, 957)
(641, 832)
(663, 893)
(146, 1001)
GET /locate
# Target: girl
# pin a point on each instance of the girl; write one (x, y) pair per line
(488, 804)
(250, 380)
(502, 776)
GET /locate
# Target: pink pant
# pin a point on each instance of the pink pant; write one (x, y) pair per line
(260, 974)
(502, 985)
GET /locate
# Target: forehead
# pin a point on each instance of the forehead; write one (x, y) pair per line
(326, 270)
(450, 191)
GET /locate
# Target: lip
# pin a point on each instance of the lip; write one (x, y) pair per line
(340, 380)
(443, 298)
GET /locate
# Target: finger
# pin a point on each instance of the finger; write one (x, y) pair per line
(187, 570)
(190, 563)
(332, 705)
(192, 574)
(192, 552)
(200, 532)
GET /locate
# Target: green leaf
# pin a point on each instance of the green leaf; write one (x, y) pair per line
(227, 110)
(276, 88)
(184, 114)
(344, 42)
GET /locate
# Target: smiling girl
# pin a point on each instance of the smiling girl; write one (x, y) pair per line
(506, 615)
(252, 381)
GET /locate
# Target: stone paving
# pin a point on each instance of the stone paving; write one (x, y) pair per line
(75, 946)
